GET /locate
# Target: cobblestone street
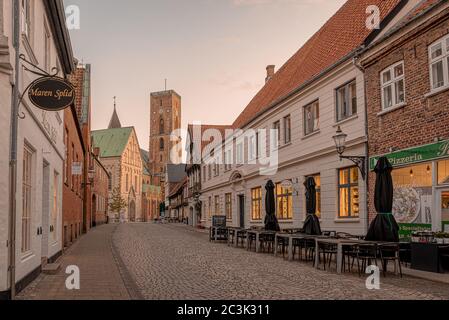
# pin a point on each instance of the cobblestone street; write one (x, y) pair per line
(150, 261)
(174, 262)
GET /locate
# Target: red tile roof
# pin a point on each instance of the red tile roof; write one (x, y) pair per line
(341, 35)
(420, 8)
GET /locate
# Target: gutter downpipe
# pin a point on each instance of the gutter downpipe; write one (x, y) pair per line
(362, 69)
(13, 152)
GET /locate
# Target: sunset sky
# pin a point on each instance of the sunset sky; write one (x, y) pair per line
(212, 52)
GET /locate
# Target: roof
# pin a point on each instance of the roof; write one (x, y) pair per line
(204, 128)
(342, 34)
(176, 173)
(112, 142)
(177, 188)
(115, 121)
(145, 160)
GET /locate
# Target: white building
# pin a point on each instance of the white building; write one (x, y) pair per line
(318, 90)
(44, 41)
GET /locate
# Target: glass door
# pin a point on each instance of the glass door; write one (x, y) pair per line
(444, 209)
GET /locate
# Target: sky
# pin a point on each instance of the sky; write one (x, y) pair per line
(213, 53)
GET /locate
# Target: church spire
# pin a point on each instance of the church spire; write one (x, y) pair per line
(115, 121)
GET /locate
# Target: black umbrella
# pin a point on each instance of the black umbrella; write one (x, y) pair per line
(384, 227)
(271, 222)
(312, 223)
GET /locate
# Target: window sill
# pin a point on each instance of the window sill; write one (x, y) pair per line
(285, 221)
(311, 134)
(348, 119)
(391, 109)
(347, 220)
(434, 92)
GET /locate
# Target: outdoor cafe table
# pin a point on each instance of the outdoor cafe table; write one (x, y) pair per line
(234, 232)
(257, 233)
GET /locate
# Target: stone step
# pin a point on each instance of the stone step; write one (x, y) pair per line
(51, 268)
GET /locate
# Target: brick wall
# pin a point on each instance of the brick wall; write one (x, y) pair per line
(423, 118)
(72, 201)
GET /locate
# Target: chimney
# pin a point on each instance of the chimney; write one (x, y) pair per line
(270, 73)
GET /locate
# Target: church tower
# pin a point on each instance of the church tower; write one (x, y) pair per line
(115, 121)
(165, 118)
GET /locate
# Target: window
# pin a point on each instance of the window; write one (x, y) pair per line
(240, 157)
(26, 199)
(317, 178)
(210, 172)
(346, 101)
(258, 145)
(110, 181)
(311, 118)
(209, 212)
(287, 129)
(348, 189)
(443, 172)
(161, 126)
(161, 144)
(284, 202)
(55, 207)
(26, 17)
(72, 180)
(127, 182)
(393, 89)
(47, 49)
(228, 160)
(439, 63)
(217, 205)
(228, 205)
(256, 203)
(277, 128)
(252, 148)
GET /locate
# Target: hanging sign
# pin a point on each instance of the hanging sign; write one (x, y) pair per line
(51, 94)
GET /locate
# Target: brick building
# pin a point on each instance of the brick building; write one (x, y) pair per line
(407, 87)
(72, 197)
(165, 108)
(100, 191)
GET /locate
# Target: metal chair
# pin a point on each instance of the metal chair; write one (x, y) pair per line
(390, 252)
(365, 253)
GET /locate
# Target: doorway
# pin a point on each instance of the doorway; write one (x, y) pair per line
(132, 211)
(242, 211)
(45, 211)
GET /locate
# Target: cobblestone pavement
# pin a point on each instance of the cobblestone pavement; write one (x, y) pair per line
(174, 262)
(102, 276)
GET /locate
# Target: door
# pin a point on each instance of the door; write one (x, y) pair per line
(45, 211)
(132, 211)
(242, 211)
(443, 209)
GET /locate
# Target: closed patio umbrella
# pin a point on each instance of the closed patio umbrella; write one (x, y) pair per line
(312, 223)
(271, 221)
(384, 227)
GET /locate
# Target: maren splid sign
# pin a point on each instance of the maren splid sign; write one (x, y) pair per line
(51, 94)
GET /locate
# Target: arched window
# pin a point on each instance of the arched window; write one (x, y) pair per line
(110, 181)
(161, 126)
(162, 144)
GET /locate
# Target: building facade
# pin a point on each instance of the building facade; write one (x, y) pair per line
(287, 130)
(407, 83)
(73, 175)
(44, 41)
(99, 183)
(120, 155)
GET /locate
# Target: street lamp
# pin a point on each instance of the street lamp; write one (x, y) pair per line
(340, 144)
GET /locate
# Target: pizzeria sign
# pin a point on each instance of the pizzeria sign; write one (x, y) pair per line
(51, 93)
(425, 153)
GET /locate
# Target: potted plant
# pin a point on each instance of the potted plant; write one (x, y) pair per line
(440, 237)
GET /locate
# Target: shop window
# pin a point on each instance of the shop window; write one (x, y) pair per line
(393, 88)
(443, 172)
(348, 190)
(256, 203)
(439, 63)
(346, 101)
(413, 194)
(311, 118)
(317, 178)
(284, 202)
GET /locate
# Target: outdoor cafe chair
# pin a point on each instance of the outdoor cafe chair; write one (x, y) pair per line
(390, 252)
(365, 253)
(267, 242)
(241, 237)
(251, 240)
(328, 252)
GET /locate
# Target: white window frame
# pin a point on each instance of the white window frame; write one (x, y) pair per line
(240, 153)
(347, 103)
(444, 57)
(316, 121)
(252, 148)
(27, 198)
(287, 129)
(392, 83)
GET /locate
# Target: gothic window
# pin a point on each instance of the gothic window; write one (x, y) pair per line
(161, 144)
(161, 126)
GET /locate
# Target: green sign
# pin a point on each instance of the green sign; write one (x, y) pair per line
(425, 153)
(406, 229)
